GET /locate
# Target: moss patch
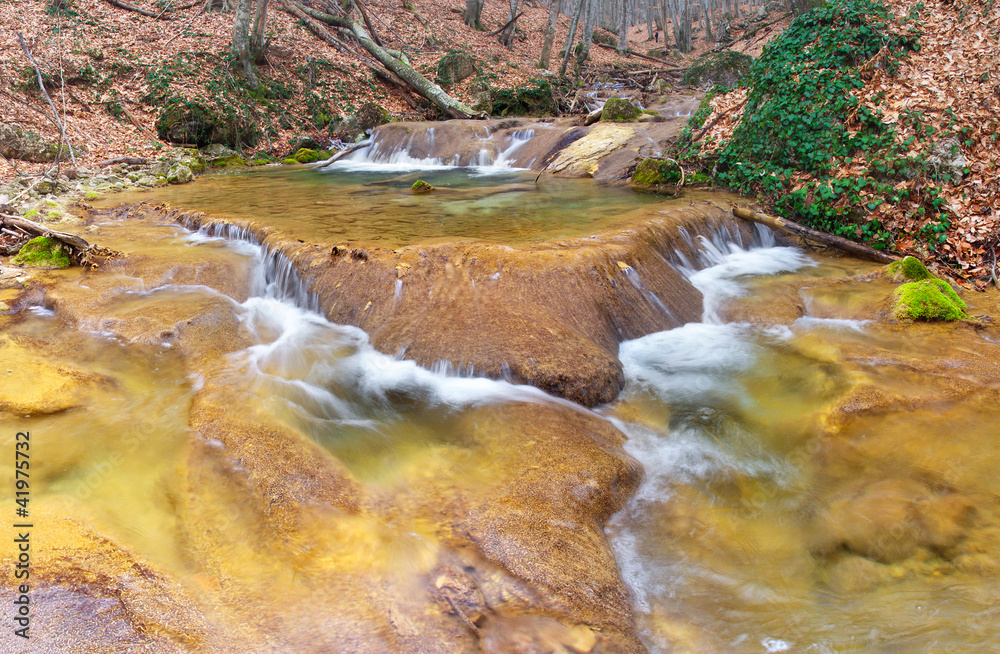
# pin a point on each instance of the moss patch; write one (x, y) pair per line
(42, 252)
(618, 109)
(930, 299)
(651, 173)
(227, 162)
(907, 269)
(305, 155)
(420, 186)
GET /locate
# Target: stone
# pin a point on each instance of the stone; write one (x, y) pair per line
(17, 143)
(725, 68)
(227, 162)
(454, 67)
(306, 155)
(620, 110)
(654, 173)
(180, 174)
(216, 151)
(907, 269)
(370, 116)
(931, 299)
(42, 252)
(193, 123)
(421, 187)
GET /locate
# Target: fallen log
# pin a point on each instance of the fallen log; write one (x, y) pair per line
(343, 153)
(822, 238)
(406, 73)
(37, 229)
(132, 161)
(138, 10)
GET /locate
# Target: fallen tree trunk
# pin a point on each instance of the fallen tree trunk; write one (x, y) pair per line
(401, 69)
(31, 227)
(138, 10)
(822, 238)
(343, 153)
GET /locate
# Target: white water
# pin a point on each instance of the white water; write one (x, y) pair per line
(380, 158)
(703, 375)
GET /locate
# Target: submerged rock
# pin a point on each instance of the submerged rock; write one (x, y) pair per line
(420, 187)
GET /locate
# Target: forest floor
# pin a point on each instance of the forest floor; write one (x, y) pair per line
(109, 69)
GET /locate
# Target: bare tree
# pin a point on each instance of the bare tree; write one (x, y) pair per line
(550, 33)
(241, 42)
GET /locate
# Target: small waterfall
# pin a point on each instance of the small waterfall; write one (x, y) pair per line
(420, 149)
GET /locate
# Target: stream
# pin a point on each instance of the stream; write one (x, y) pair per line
(220, 468)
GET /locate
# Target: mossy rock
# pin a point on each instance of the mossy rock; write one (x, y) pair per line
(306, 155)
(533, 98)
(930, 299)
(90, 196)
(420, 187)
(191, 122)
(42, 252)
(620, 110)
(454, 67)
(231, 161)
(654, 173)
(725, 68)
(260, 160)
(17, 143)
(370, 116)
(907, 269)
(289, 162)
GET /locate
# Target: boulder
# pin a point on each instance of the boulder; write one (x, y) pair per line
(194, 123)
(180, 174)
(930, 299)
(42, 252)
(370, 116)
(454, 67)
(621, 110)
(16, 143)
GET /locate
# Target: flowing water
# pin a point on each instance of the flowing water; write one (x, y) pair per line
(819, 484)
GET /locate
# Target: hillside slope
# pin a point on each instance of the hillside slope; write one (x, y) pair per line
(877, 121)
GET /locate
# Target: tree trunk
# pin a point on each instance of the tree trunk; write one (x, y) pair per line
(258, 43)
(473, 11)
(571, 36)
(550, 33)
(404, 71)
(588, 32)
(507, 38)
(241, 42)
(623, 28)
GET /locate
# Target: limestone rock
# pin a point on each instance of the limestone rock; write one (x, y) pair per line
(455, 66)
(180, 174)
(371, 115)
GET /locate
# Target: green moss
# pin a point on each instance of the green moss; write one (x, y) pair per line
(532, 98)
(618, 109)
(907, 269)
(92, 196)
(289, 161)
(651, 173)
(227, 162)
(42, 252)
(930, 299)
(306, 155)
(420, 186)
(32, 213)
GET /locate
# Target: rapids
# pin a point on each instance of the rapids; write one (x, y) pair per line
(225, 465)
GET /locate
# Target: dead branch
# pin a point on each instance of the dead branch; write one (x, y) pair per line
(343, 153)
(132, 161)
(829, 240)
(138, 10)
(634, 54)
(41, 85)
(506, 25)
(31, 227)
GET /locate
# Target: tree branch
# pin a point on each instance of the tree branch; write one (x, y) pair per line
(41, 85)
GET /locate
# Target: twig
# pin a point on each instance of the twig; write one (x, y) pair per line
(41, 85)
(507, 24)
(132, 161)
(138, 10)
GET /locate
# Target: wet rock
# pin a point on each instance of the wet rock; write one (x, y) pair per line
(54, 386)
(655, 173)
(42, 252)
(907, 269)
(583, 156)
(305, 155)
(931, 299)
(420, 187)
